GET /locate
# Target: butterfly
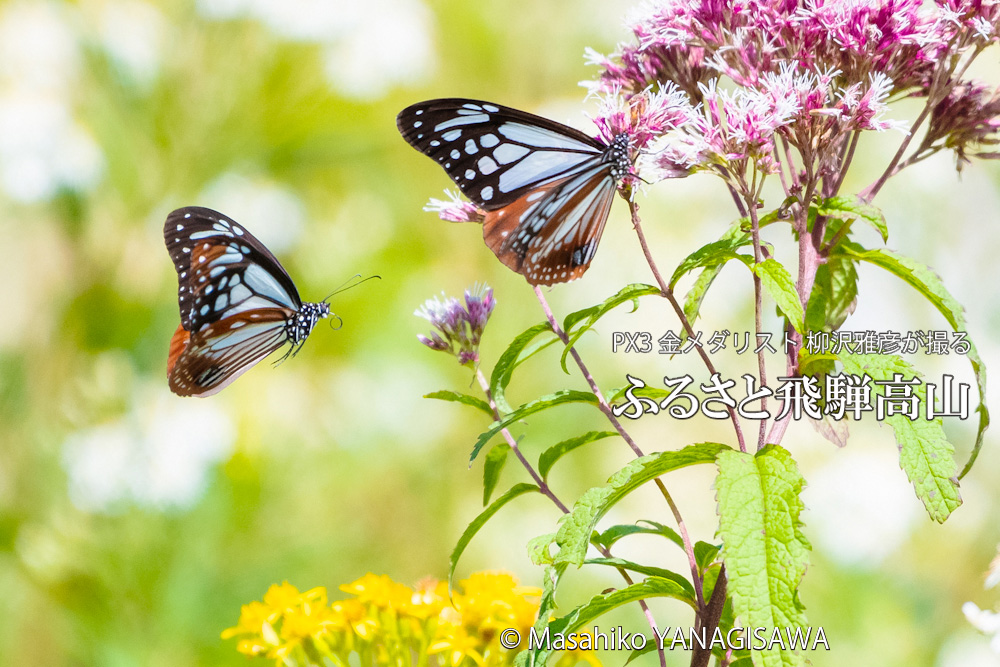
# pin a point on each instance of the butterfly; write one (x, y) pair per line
(546, 187)
(237, 303)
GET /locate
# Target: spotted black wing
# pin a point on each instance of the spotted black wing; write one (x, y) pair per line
(496, 154)
(222, 269)
(550, 235)
(206, 362)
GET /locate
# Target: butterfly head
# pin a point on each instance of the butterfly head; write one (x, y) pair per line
(301, 325)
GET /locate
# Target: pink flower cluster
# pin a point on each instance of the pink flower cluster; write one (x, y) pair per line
(807, 72)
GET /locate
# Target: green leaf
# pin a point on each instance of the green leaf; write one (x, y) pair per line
(546, 608)
(648, 648)
(557, 451)
(599, 605)
(590, 316)
(736, 237)
(925, 281)
(852, 208)
(495, 462)
(513, 357)
(834, 295)
(543, 403)
(615, 533)
(763, 547)
(780, 286)
(705, 554)
(696, 295)
(924, 452)
(656, 393)
(465, 399)
(713, 255)
(576, 528)
(650, 571)
(539, 549)
(480, 521)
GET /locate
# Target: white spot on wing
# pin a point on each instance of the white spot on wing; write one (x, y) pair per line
(487, 166)
(536, 137)
(461, 120)
(509, 153)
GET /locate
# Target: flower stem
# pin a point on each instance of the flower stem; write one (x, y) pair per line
(606, 409)
(512, 442)
(668, 293)
(548, 493)
(758, 307)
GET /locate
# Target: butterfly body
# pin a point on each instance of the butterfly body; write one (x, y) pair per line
(237, 304)
(546, 188)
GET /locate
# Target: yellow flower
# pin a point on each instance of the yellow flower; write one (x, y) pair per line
(285, 596)
(355, 616)
(307, 621)
(574, 656)
(429, 597)
(253, 616)
(379, 591)
(494, 601)
(457, 644)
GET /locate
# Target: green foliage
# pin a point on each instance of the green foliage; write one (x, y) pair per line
(464, 399)
(559, 450)
(850, 209)
(588, 317)
(834, 296)
(575, 528)
(516, 354)
(780, 286)
(530, 408)
(925, 454)
(492, 469)
(764, 549)
(480, 521)
(599, 605)
(930, 286)
(615, 533)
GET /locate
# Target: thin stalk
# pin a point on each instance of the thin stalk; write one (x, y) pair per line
(669, 295)
(542, 484)
(846, 163)
(937, 91)
(548, 493)
(713, 614)
(606, 409)
(758, 308)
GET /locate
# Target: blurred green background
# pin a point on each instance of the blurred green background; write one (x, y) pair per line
(133, 523)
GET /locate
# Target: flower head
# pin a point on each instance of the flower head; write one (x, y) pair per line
(459, 326)
(454, 209)
(643, 116)
(968, 118)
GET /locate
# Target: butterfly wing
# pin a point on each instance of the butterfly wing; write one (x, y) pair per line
(222, 269)
(495, 154)
(206, 362)
(550, 235)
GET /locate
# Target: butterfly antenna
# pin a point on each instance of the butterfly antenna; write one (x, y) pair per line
(353, 281)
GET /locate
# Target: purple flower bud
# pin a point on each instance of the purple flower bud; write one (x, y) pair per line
(459, 327)
(968, 118)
